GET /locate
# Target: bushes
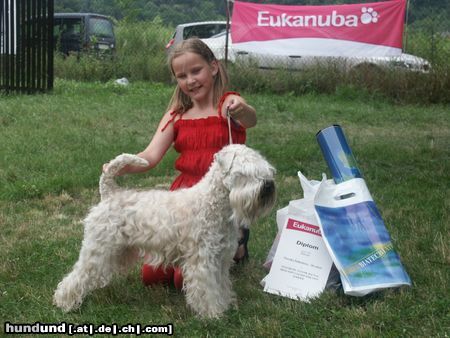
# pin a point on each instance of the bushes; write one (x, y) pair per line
(141, 56)
(87, 67)
(141, 50)
(397, 85)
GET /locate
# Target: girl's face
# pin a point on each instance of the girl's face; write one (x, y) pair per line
(195, 75)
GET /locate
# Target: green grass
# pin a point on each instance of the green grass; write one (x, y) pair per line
(52, 149)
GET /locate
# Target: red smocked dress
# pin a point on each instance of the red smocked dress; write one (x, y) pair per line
(197, 140)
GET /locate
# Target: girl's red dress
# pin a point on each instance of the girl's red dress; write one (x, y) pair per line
(197, 140)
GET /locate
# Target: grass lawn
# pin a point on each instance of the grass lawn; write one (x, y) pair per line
(52, 149)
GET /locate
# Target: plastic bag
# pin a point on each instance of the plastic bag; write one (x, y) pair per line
(301, 209)
(356, 238)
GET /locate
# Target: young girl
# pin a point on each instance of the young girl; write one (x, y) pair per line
(196, 124)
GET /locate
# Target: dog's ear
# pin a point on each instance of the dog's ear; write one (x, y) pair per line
(225, 160)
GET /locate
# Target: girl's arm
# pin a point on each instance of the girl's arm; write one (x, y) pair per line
(156, 149)
(240, 111)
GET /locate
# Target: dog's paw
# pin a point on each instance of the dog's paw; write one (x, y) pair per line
(66, 300)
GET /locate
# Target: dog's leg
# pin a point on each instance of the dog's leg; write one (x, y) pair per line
(225, 282)
(99, 259)
(207, 287)
(227, 261)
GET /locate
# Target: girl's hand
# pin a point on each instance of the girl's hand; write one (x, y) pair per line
(105, 166)
(120, 173)
(239, 111)
(235, 106)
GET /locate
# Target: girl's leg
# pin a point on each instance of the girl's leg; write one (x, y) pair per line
(242, 250)
(152, 275)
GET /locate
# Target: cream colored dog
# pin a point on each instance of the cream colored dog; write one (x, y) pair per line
(195, 228)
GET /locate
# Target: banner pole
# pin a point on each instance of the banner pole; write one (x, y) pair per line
(227, 10)
(405, 32)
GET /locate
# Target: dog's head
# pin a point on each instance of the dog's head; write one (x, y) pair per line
(249, 177)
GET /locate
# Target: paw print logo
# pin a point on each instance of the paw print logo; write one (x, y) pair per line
(368, 15)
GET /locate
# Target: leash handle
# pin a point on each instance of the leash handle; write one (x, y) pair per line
(230, 138)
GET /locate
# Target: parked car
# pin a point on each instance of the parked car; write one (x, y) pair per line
(76, 32)
(201, 30)
(261, 60)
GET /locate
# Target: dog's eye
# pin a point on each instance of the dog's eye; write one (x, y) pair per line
(268, 187)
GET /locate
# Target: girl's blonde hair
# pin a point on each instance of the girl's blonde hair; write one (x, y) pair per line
(180, 102)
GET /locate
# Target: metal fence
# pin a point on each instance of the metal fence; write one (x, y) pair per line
(26, 45)
(426, 37)
(143, 32)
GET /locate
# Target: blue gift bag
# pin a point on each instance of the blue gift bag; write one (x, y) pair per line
(351, 224)
(357, 238)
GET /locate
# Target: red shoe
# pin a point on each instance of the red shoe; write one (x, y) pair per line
(156, 275)
(178, 278)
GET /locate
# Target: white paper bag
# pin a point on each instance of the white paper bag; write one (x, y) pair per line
(299, 263)
(303, 208)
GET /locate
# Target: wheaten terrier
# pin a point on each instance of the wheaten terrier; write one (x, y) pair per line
(195, 228)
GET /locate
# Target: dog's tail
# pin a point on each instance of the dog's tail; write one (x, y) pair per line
(107, 182)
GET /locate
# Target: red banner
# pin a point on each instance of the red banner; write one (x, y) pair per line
(370, 29)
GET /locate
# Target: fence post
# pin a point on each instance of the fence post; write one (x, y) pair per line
(405, 31)
(50, 43)
(26, 54)
(227, 10)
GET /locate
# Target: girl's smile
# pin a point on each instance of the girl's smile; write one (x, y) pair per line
(194, 75)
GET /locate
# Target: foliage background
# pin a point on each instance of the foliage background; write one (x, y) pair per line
(175, 12)
(427, 32)
(143, 29)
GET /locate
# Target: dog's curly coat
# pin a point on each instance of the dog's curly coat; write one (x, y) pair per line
(195, 228)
